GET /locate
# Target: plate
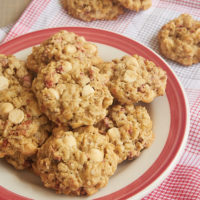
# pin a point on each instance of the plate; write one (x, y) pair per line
(170, 115)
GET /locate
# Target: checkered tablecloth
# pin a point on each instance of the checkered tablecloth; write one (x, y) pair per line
(184, 181)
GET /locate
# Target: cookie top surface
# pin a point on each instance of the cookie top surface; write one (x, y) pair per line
(179, 40)
(129, 128)
(106, 69)
(72, 96)
(90, 10)
(23, 128)
(136, 79)
(62, 45)
(136, 5)
(13, 72)
(78, 162)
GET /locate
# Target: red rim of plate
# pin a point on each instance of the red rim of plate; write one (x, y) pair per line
(174, 92)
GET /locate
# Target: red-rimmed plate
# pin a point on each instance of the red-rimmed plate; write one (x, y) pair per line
(170, 115)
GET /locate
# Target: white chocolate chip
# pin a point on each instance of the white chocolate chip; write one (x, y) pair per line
(5, 108)
(54, 93)
(67, 66)
(96, 155)
(70, 48)
(87, 90)
(81, 39)
(29, 149)
(4, 83)
(114, 133)
(70, 141)
(91, 48)
(69, 37)
(132, 62)
(130, 76)
(16, 116)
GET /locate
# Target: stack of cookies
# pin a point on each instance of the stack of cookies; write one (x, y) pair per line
(72, 117)
(90, 10)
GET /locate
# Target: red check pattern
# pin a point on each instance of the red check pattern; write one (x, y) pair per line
(184, 181)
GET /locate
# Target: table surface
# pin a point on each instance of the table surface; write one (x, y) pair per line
(10, 10)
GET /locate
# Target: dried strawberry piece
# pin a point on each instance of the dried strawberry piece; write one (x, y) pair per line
(5, 142)
(130, 131)
(59, 69)
(49, 83)
(27, 80)
(180, 26)
(91, 74)
(28, 115)
(27, 122)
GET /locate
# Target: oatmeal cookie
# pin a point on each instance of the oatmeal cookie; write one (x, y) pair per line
(63, 45)
(136, 5)
(23, 128)
(90, 10)
(129, 128)
(179, 40)
(136, 79)
(77, 163)
(72, 96)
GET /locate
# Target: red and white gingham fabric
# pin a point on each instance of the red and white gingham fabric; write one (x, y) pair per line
(184, 181)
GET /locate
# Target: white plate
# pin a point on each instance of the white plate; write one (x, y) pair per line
(132, 178)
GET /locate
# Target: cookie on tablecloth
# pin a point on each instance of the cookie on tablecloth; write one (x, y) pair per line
(93, 10)
(23, 128)
(129, 128)
(136, 5)
(63, 45)
(77, 163)
(72, 96)
(136, 79)
(179, 40)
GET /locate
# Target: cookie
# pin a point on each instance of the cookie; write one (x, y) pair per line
(63, 45)
(136, 5)
(93, 10)
(136, 79)
(77, 163)
(72, 96)
(129, 129)
(23, 128)
(179, 40)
